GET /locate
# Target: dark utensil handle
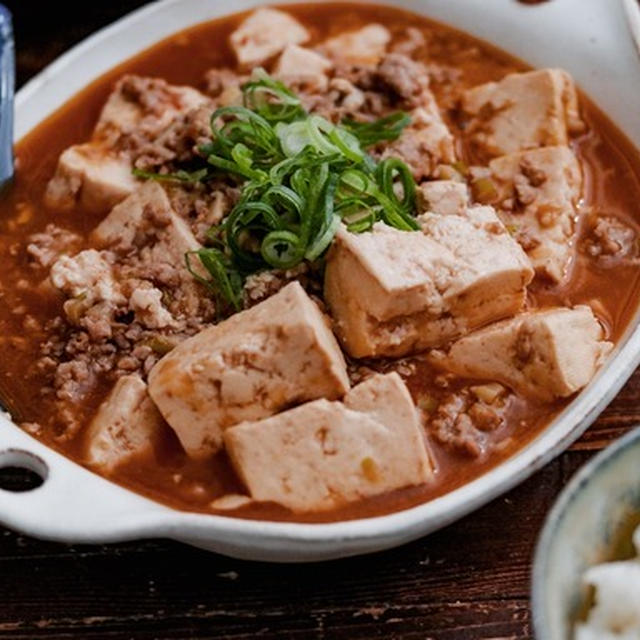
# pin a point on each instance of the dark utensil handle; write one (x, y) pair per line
(7, 85)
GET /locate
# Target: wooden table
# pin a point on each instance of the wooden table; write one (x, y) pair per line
(469, 581)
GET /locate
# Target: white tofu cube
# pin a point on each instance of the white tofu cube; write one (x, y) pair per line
(264, 34)
(543, 354)
(445, 197)
(126, 426)
(537, 196)
(92, 176)
(392, 293)
(323, 454)
(257, 362)
(98, 174)
(365, 46)
(146, 227)
(144, 105)
(146, 217)
(522, 111)
(303, 67)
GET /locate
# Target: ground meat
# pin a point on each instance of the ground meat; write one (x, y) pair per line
(146, 259)
(484, 418)
(525, 192)
(353, 92)
(609, 240)
(161, 274)
(407, 79)
(262, 285)
(219, 81)
(150, 96)
(46, 247)
(184, 299)
(149, 122)
(203, 205)
(424, 145)
(343, 99)
(73, 379)
(461, 422)
(444, 75)
(34, 428)
(122, 314)
(363, 77)
(348, 97)
(180, 142)
(364, 92)
(149, 93)
(524, 347)
(535, 175)
(358, 372)
(97, 321)
(74, 359)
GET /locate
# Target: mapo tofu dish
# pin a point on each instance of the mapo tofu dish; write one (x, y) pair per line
(313, 263)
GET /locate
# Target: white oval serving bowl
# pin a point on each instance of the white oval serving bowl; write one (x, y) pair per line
(580, 532)
(590, 38)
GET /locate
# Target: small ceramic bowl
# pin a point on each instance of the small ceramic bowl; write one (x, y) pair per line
(582, 530)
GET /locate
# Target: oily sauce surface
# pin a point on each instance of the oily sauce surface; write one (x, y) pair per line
(612, 187)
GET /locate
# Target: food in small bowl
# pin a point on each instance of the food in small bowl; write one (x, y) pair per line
(615, 611)
(586, 576)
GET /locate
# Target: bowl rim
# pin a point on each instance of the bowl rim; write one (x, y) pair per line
(389, 529)
(586, 475)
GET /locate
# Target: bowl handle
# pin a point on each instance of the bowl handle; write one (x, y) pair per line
(72, 504)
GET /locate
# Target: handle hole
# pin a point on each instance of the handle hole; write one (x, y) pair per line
(21, 471)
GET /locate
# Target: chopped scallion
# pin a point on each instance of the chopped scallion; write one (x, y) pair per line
(301, 176)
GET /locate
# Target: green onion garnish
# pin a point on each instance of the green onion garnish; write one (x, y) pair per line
(227, 282)
(179, 176)
(300, 177)
(385, 129)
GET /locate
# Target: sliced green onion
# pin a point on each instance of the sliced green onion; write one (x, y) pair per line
(281, 249)
(248, 217)
(300, 175)
(271, 99)
(316, 128)
(178, 176)
(358, 216)
(317, 248)
(226, 282)
(387, 171)
(294, 137)
(284, 197)
(347, 143)
(384, 129)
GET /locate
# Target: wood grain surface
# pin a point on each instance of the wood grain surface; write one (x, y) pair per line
(468, 581)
